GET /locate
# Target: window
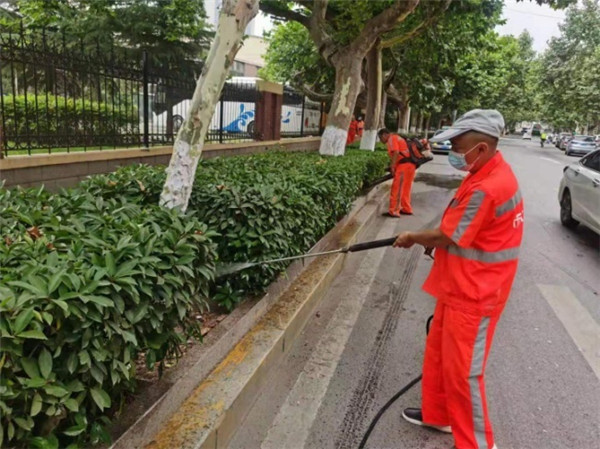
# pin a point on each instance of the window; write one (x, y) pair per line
(238, 68)
(592, 161)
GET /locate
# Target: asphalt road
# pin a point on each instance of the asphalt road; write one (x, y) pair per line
(366, 341)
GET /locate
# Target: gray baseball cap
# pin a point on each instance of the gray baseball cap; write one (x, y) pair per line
(485, 121)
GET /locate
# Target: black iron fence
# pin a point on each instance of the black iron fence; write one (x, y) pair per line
(57, 95)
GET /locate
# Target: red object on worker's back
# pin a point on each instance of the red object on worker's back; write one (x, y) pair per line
(485, 221)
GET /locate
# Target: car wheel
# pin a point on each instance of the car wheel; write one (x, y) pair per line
(177, 122)
(250, 128)
(566, 217)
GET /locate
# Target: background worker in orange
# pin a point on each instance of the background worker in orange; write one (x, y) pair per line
(403, 171)
(475, 264)
(352, 130)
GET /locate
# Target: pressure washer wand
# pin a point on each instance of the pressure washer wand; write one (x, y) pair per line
(347, 249)
(234, 268)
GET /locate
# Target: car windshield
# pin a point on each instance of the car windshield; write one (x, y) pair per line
(584, 138)
(439, 131)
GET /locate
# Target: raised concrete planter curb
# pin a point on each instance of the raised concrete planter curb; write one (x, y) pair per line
(256, 334)
(67, 169)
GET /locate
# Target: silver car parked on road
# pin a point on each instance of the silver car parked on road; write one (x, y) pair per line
(579, 193)
(580, 146)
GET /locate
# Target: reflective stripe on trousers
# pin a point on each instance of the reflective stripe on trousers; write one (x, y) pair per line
(477, 361)
(453, 387)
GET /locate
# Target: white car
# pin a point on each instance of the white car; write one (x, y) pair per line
(527, 136)
(579, 193)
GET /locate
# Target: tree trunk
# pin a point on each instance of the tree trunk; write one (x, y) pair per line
(420, 123)
(374, 87)
(427, 122)
(347, 87)
(234, 16)
(381, 123)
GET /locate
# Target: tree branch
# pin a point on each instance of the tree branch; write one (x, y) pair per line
(418, 29)
(382, 23)
(282, 12)
(318, 31)
(394, 96)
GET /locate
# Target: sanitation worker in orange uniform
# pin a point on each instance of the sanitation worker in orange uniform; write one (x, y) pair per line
(477, 247)
(403, 170)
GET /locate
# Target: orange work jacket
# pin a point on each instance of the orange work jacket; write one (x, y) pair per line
(485, 221)
(397, 144)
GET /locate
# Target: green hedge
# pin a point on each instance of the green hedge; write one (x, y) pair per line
(86, 285)
(94, 276)
(263, 206)
(50, 116)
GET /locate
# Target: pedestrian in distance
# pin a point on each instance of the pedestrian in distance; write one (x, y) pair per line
(352, 131)
(476, 255)
(402, 169)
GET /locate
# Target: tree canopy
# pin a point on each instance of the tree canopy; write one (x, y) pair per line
(173, 32)
(569, 70)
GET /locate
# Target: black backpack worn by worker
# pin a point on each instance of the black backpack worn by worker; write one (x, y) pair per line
(416, 150)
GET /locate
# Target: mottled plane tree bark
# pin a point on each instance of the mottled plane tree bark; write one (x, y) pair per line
(233, 19)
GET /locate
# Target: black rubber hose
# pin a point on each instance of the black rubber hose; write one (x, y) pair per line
(394, 398)
(370, 245)
(411, 384)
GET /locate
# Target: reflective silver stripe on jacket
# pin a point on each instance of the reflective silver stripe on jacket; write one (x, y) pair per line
(485, 256)
(509, 205)
(469, 214)
(474, 374)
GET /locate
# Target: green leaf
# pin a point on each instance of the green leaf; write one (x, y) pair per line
(111, 267)
(100, 300)
(127, 269)
(72, 404)
(101, 398)
(36, 404)
(22, 320)
(84, 358)
(55, 390)
(49, 442)
(24, 423)
(55, 281)
(33, 334)
(72, 363)
(45, 363)
(36, 382)
(31, 367)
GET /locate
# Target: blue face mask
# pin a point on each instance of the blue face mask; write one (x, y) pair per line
(459, 161)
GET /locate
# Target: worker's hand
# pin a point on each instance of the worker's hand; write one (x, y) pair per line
(392, 171)
(404, 240)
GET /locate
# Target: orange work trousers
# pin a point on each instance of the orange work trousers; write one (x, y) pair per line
(401, 187)
(453, 386)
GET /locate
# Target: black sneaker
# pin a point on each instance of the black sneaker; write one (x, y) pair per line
(414, 416)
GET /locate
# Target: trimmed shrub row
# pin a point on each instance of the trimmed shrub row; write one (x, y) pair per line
(93, 276)
(45, 116)
(263, 206)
